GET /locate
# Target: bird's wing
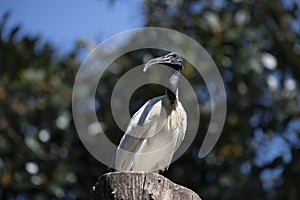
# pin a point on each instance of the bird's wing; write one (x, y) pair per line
(146, 117)
(145, 123)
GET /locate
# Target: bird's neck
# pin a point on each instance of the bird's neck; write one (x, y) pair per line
(173, 86)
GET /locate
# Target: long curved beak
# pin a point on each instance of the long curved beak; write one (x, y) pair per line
(159, 60)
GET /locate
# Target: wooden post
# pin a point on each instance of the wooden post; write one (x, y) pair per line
(139, 186)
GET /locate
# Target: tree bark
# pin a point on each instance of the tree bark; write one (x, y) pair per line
(139, 186)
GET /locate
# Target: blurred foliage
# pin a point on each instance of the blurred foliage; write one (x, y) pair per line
(255, 44)
(41, 156)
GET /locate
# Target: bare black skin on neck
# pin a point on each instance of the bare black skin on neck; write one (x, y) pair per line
(171, 96)
(173, 85)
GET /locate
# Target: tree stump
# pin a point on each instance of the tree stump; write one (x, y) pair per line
(139, 186)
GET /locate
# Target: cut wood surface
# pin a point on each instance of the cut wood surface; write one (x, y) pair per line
(139, 186)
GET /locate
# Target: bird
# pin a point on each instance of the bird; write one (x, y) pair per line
(157, 129)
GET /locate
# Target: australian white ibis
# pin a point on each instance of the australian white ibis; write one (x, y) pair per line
(157, 129)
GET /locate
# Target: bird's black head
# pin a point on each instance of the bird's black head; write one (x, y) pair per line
(172, 60)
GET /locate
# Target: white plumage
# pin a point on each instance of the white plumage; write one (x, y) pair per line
(154, 133)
